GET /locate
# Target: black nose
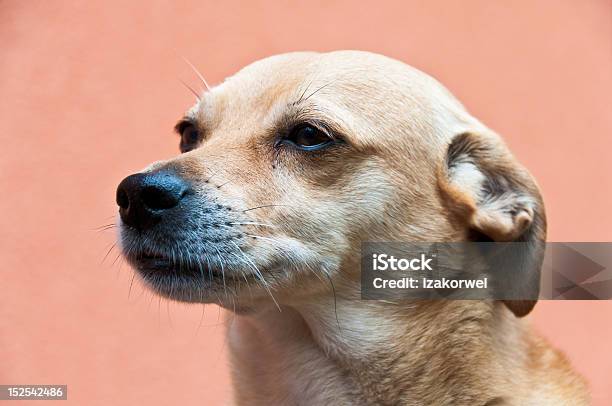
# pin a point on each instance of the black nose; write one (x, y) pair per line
(144, 198)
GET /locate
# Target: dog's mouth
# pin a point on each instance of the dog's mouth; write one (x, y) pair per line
(158, 264)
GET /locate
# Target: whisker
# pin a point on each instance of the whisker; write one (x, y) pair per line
(197, 72)
(131, 283)
(299, 100)
(246, 281)
(201, 270)
(335, 301)
(222, 270)
(116, 259)
(212, 176)
(317, 90)
(191, 89)
(105, 226)
(201, 319)
(108, 252)
(259, 275)
(265, 205)
(208, 266)
(252, 223)
(260, 237)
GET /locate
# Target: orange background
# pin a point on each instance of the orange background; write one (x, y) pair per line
(89, 92)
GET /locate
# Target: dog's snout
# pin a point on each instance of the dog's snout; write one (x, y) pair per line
(144, 198)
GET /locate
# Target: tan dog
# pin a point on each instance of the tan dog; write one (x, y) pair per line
(286, 168)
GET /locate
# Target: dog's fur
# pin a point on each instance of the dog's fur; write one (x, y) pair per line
(285, 228)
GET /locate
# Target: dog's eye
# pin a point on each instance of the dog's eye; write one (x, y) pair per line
(190, 136)
(308, 138)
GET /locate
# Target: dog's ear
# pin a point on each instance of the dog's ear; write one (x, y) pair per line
(496, 199)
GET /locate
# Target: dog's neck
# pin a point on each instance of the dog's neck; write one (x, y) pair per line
(371, 352)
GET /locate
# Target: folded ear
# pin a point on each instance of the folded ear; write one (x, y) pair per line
(489, 193)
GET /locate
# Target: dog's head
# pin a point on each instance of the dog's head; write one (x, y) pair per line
(289, 164)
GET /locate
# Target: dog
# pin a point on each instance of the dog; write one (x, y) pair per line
(285, 168)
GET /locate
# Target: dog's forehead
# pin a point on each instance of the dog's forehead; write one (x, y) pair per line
(362, 89)
(360, 76)
(255, 89)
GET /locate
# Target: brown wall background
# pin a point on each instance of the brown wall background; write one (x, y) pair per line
(89, 92)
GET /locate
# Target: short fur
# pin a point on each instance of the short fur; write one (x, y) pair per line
(285, 228)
